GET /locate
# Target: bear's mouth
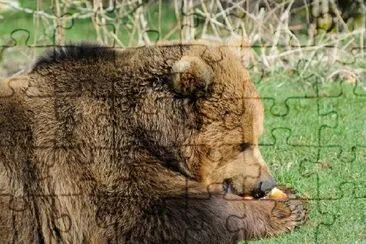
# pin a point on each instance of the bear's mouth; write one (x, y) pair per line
(228, 187)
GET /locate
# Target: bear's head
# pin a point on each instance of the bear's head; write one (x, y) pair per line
(209, 123)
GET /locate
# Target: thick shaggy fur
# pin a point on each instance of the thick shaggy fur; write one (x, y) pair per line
(101, 145)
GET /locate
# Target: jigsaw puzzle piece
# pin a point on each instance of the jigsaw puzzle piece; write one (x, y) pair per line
(299, 111)
(351, 116)
(15, 55)
(13, 210)
(326, 165)
(8, 87)
(347, 175)
(302, 113)
(288, 86)
(341, 221)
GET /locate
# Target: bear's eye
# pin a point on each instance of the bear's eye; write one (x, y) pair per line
(244, 146)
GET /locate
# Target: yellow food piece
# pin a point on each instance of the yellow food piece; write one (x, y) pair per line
(277, 194)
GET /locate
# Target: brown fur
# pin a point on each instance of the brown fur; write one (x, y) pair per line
(101, 145)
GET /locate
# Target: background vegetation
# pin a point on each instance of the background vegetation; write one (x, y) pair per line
(307, 58)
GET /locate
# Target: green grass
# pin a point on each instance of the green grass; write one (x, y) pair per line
(324, 164)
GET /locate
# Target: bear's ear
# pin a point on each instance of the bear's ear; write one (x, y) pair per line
(191, 76)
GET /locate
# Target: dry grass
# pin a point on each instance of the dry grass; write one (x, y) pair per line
(282, 33)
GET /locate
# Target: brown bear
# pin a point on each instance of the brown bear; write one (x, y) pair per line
(150, 144)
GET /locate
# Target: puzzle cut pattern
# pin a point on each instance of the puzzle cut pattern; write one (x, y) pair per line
(314, 141)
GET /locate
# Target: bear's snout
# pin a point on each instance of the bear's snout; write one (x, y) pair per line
(260, 189)
(263, 186)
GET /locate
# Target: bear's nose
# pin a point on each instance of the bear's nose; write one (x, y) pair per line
(264, 186)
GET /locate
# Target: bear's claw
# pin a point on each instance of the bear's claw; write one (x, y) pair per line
(296, 209)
